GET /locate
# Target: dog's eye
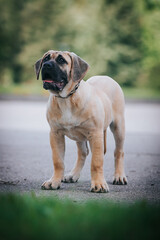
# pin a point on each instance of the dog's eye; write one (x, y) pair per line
(46, 58)
(60, 60)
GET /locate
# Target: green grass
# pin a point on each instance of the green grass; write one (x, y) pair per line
(141, 93)
(35, 88)
(31, 217)
(24, 89)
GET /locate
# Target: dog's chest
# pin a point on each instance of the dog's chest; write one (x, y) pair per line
(71, 125)
(68, 119)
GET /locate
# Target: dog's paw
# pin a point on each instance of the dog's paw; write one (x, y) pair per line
(71, 178)
(50, 185)
(120, 179)
(99, 186)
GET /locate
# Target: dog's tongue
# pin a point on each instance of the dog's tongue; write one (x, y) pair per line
(55, 84)
(49, 81)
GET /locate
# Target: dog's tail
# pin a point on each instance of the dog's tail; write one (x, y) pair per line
(87, 148)
(105, 142)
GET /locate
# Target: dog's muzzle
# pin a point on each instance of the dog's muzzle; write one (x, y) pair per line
(53, 77)
(53, 85)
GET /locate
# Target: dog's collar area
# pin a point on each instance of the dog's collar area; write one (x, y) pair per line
(71, 93)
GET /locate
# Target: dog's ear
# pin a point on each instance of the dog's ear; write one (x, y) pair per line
(79, 67)
(38, 66)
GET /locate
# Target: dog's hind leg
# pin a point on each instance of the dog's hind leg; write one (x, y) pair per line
(74, 175)
(118, 129)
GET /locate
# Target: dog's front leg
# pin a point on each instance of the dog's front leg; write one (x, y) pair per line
(57, 143)
(98, 183)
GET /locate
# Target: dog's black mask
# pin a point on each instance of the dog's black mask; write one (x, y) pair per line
(53, 77)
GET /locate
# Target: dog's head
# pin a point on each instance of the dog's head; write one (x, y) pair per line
(60, 71)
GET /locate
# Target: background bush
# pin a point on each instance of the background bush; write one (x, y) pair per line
(117, 38)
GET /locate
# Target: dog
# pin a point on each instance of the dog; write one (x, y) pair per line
(82, 111)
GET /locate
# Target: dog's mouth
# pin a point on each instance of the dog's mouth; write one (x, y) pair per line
(50, 84)
(53, 85)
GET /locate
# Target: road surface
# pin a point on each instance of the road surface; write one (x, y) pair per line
(25, 155)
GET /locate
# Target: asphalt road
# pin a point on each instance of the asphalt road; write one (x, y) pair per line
(25, 155)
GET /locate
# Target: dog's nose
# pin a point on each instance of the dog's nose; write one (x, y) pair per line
(47, 65)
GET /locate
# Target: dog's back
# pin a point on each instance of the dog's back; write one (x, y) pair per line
(111, 88)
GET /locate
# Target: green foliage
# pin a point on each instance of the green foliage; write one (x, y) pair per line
(11, 40)
(117, 38)
(150, 43)
(29, 217)
(125, 55)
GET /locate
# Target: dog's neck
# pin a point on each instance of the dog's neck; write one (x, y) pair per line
(74, 100)
(71, 92)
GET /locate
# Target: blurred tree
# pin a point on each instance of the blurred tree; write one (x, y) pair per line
(106, 33)
(11, 40)
(150, 44)
(124, 41)
(117, 38)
